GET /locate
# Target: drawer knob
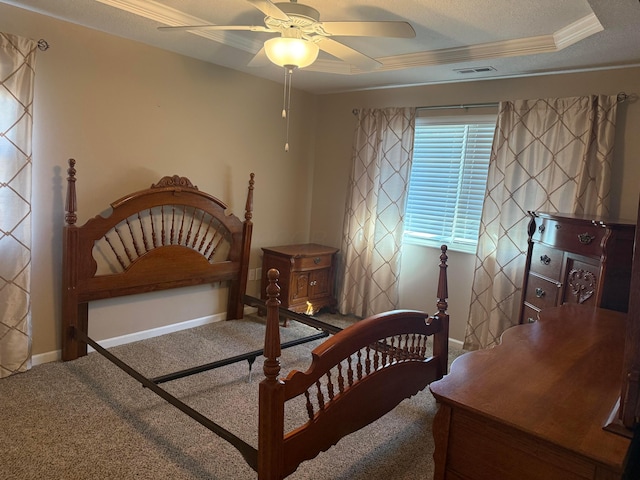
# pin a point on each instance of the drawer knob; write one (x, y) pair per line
(545, 259)
(540, 292)
(531, 320)
(541, 228)
(317, 260)
(585, 238)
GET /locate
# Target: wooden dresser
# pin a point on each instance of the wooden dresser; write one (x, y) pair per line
(307, 273)
(576, 259)
(534, 407)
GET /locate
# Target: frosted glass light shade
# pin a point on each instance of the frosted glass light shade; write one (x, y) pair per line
(291, 52)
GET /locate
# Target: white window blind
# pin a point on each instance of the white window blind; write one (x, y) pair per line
(448, 180)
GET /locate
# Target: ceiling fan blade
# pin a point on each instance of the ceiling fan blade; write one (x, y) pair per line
(347, 54)
(259, 60)
(250, 28)
(269, 9)
(370, 29)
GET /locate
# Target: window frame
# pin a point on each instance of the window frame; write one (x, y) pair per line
(425, 118)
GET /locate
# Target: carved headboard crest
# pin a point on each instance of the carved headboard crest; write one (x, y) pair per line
(174, 181)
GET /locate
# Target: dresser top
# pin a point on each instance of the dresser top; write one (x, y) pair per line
(557, 379)
(593, 219)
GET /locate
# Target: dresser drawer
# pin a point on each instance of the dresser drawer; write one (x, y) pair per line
(546, 261)
(541, 293)
(581, 238)
(529, 314)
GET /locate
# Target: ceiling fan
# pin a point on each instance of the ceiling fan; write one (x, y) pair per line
(300, 25)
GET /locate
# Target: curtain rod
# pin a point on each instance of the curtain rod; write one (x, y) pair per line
(621, 97)
(468, 105)
(43, 44)
(355, 111)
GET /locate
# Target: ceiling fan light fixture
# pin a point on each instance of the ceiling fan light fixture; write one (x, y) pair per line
(291, 52)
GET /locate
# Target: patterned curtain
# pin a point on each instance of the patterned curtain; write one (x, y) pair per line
(372, 232)
(548, 155)
(17, 58)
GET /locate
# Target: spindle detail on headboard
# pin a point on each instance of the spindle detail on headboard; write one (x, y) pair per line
(167, 236)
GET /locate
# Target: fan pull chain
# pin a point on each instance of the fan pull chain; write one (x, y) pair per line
(288, 73)
(284, 98)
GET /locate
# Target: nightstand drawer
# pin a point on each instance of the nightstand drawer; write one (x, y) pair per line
(541, 293)
(312, 262)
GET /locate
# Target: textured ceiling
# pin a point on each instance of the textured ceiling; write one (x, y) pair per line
(455, 41)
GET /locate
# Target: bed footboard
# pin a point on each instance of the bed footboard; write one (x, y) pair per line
(355, 377)
(359, 375)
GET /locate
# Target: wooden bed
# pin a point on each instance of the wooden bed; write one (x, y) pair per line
(173, 235)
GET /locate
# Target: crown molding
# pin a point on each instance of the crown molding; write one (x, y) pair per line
(155, 11)
(560, 39)
(564, 37)
(578, 30)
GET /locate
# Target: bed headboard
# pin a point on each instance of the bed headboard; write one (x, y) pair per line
(167, 236)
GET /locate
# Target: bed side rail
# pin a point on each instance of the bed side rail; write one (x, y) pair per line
(248, 452)
(286, 315)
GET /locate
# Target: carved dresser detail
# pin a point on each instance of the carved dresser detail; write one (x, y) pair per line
(576, 259)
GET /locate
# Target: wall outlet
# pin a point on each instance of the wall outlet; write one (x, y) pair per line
(252, 274)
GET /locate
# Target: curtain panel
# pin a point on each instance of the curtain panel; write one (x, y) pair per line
(17, 62)
(549, 155)
(373, 222)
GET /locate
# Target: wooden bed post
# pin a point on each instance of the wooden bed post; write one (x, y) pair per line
(74, 316)
(271, 407)
(235, 309)
(441, 339)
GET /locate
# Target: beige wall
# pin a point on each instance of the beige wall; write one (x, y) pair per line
(336, 124)
(130, 114)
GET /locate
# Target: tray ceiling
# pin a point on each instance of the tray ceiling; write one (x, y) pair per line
(455, 41)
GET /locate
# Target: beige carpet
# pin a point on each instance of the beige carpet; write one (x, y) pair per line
(88, 419)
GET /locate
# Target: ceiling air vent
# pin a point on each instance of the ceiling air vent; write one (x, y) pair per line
(466, 71)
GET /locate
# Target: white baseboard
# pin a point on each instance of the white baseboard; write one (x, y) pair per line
(143, 335)
(55, 355)
(45, 357)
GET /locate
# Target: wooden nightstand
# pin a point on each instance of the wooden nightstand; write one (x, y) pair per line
(307, 273)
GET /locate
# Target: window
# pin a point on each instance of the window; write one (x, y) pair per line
(448, 180)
